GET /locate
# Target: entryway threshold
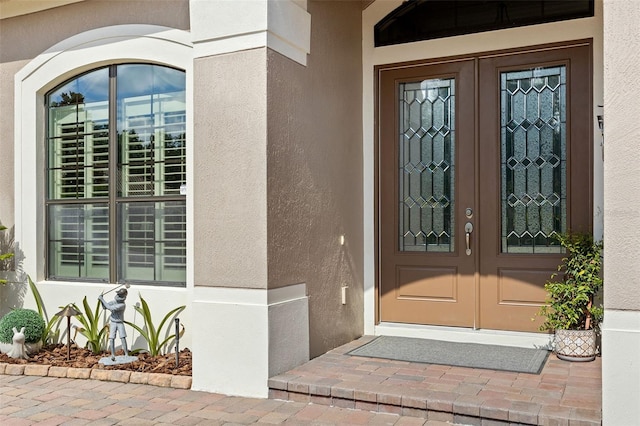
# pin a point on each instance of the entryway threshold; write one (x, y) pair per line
(563, 393)
(466, 335)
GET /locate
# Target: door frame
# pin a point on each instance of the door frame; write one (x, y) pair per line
(543, 34)
(377, 146)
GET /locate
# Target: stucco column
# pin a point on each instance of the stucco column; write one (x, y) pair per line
(241, 327)
(621, 327)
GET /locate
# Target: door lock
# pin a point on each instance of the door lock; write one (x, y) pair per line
(468, 229)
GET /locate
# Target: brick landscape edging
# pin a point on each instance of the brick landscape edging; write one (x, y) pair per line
(122, 376)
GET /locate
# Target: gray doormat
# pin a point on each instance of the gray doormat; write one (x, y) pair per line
(473, 355)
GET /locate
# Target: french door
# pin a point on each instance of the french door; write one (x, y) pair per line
(481, 161)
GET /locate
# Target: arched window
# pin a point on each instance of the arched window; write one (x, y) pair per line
(116, 176)
(417, 20)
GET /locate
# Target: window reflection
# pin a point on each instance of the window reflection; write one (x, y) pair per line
(149, 160)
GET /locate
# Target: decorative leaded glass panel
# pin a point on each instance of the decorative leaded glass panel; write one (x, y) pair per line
(533, 159)
(426, 165)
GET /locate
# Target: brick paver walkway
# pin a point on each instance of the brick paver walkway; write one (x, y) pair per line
(33, 400)
(332, 389)
(565, 393)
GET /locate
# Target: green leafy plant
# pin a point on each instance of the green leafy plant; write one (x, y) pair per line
(95, 334)
(150, 332)
(570, 302)
(51, 331)
(18, 318)
(5, 258)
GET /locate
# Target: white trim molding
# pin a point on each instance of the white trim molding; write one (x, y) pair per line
(620, 367)
(221, 26)
(468, 335)
(246, 336)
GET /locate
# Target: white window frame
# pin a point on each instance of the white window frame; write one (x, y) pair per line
(68, 58)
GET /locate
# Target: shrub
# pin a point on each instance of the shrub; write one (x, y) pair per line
(18, 318)
(570, 301)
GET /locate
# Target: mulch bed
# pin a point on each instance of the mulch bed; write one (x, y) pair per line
(56, 355)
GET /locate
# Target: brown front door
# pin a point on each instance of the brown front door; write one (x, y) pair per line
(481, 160)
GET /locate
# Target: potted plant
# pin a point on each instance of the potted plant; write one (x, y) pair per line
(570, 310)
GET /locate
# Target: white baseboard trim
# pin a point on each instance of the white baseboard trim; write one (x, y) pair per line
(620, 367)
(242, 336)
(468, 335)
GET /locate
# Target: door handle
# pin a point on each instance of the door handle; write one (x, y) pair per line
(468, 229)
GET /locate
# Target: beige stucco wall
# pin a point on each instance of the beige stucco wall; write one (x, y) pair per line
(314, 161)
(278, 171)
(7, 71)
(229, 189)
(278, 165)
(45, 29)
(621, 326)
(622, 155)
(24, 39)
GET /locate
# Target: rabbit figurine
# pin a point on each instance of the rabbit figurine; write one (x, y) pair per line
(18, 350)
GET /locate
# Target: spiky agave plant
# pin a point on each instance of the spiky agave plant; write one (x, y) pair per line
(5, 255)
(91, 329)
(51, 333)
(150, 332)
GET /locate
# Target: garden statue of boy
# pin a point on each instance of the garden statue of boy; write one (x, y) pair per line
(116, 321)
